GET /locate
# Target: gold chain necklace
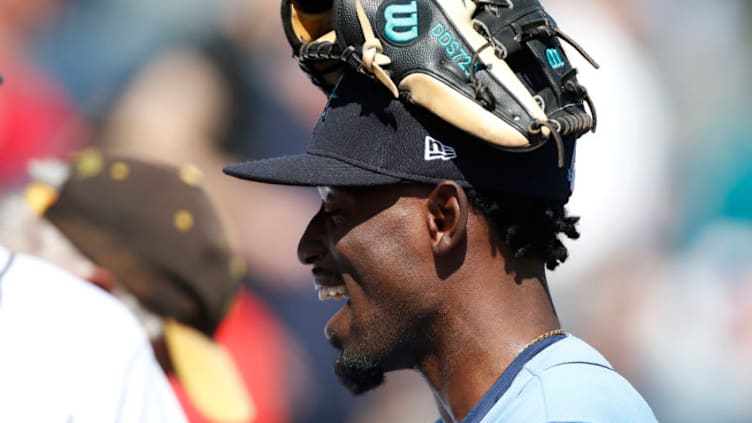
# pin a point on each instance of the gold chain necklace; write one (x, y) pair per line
(544, 336)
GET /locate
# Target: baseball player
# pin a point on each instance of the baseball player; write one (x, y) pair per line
(444, 159)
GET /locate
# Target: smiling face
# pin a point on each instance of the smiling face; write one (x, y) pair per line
(370, 246)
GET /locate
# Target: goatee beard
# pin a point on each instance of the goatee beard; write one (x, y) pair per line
(357, 373)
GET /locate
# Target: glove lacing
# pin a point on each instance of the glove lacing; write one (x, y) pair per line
(536, 128)
(482, 92)
(373, 57)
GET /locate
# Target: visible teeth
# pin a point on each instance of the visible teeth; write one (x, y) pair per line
(331, 292)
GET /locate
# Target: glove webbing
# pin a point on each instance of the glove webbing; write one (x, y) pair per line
(571, 124)
(311, 57)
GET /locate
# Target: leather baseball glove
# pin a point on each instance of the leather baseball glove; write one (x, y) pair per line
(494, 68)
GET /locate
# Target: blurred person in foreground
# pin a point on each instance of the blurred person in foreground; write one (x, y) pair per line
(69, 352)
(159, 248)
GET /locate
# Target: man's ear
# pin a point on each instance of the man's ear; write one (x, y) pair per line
(448, 209)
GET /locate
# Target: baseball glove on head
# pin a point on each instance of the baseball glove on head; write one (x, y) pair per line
(494, 68)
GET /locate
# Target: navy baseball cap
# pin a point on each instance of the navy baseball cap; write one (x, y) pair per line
(366, 137)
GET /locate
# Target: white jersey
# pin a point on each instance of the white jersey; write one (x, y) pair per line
(71, 353)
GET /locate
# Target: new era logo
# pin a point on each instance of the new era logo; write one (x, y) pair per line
(435, 150)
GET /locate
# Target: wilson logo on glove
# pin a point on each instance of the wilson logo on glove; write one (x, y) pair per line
(554, 58)
(401, 22)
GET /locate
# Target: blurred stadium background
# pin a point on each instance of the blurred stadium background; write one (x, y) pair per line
(661, 281)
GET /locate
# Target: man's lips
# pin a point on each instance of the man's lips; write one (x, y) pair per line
(330, 286)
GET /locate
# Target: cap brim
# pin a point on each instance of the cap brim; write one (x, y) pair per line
(208, 374)
(308, 170)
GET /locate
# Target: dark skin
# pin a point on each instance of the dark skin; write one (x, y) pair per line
(429, 288)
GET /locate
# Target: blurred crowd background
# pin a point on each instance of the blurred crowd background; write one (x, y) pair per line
(660, 282)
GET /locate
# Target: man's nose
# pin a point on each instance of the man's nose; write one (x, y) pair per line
(311, 246)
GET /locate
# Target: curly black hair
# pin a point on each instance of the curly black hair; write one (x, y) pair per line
(529, 227)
